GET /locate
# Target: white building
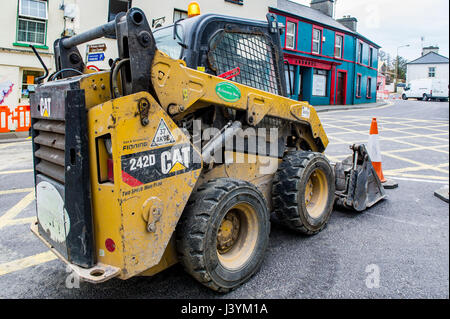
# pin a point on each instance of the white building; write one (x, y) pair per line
(41, 22)
(430, 65)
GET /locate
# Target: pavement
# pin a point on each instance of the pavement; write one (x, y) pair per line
(13, 137)
(328, 108)
(397, 249)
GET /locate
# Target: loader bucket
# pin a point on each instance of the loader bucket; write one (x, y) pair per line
(357, 184)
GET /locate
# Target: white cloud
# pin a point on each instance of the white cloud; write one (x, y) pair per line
(392, 23)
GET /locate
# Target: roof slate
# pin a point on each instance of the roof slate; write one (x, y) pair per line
(430, 58)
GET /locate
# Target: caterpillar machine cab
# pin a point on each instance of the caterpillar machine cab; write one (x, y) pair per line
(127, 183)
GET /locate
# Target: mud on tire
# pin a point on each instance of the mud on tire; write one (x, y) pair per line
(223, 233)
(303, 192)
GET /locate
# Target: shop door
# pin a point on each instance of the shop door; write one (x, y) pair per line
(341, 88)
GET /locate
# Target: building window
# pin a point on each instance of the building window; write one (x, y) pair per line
(371, 57)
(290, 35)
(320, 82)
(358, 85)
(360, 52)
(179, 14)
(240, 2)
(317, 41)
(117, 6)
(338, 46)
(290, 78)
(28, 82)
(369, 88)
(32, 21)
(431, 72)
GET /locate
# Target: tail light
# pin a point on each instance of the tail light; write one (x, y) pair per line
(110, 170)
(105, 163)
(110, 165)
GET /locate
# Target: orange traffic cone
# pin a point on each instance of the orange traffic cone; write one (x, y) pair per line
(374, 150)
(375, 155)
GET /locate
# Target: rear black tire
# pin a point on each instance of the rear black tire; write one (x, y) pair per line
(289, 186)
(425, 97)
(199, 226)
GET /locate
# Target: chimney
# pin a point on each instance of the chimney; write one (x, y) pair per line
(324, 6)
(429, 49)
(349, 22)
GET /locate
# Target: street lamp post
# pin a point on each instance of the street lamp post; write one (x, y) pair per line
(396, 67)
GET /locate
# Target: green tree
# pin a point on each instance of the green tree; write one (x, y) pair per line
(402, 68)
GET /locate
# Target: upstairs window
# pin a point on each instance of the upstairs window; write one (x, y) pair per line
(338, 47)
(360, 52)
(117, 6)
(431, 72)
(371, 57)
(32, 21)
(290, 35)
(317, 41)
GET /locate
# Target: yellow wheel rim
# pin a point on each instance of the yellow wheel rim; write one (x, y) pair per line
(237, 236)
(316, 193)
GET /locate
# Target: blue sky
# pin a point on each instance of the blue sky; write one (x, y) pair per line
(392, 23)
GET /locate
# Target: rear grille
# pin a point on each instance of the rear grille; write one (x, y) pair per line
(50, 144)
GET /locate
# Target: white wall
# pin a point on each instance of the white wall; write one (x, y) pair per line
(420, 71)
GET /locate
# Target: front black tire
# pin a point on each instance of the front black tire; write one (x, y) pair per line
(222, 258)
(425, 97)
(293, 195)
(404, 97)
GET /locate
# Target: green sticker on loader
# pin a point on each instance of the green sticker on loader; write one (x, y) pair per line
(228, 92)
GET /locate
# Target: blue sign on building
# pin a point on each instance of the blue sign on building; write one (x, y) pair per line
(96, 57)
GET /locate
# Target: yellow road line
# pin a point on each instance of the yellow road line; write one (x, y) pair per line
(20, 221)
(396, 139)
(16, 209)
(431, 148)
(409, 134)
(431, 136)
(16, 172)
(15, 191)
(429, 177)
(424, 166)
(6, 145)
(412, 169)
(26, 262)
(409, 179)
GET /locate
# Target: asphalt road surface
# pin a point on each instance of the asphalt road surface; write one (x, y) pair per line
(397, 249)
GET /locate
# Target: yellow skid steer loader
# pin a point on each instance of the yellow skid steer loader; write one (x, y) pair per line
(181, 152)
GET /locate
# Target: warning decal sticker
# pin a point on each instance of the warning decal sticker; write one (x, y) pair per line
(163, 136)
(153, 165)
